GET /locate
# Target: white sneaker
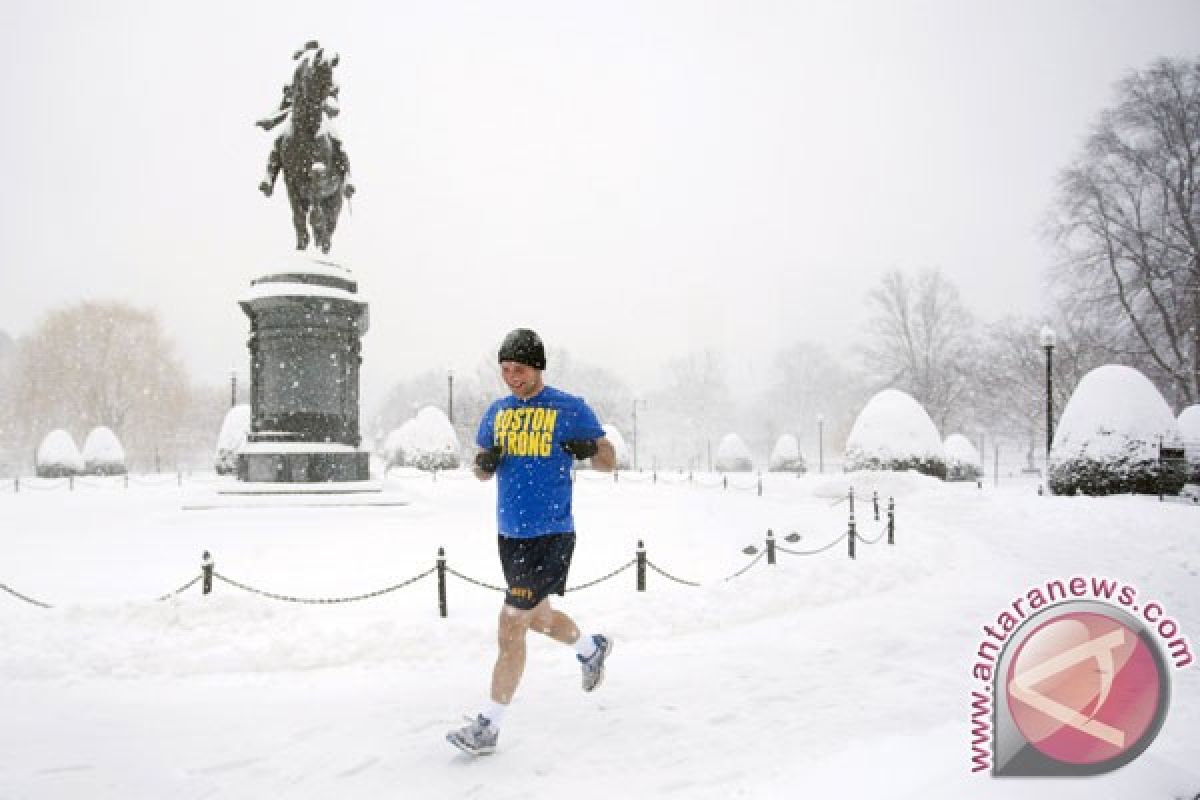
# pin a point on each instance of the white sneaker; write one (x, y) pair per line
(477, 737)
(593, 668)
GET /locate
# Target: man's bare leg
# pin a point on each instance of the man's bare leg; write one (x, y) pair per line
(514, 623)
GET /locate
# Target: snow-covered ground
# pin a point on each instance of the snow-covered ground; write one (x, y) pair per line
(818, 677)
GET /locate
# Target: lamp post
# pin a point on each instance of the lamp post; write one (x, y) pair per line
(232, 388)
(821, 443)
(1047, 340)
(450, 394)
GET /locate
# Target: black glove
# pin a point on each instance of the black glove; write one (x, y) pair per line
(581, 448)
(488, 460)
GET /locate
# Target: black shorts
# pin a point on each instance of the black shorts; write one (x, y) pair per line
(536, 567)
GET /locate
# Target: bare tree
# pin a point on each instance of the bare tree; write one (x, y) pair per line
(100, 364)
(1127, 221)
(921, 339)
(807, 381)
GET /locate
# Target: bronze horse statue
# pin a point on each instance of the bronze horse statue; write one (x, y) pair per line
(314, 164)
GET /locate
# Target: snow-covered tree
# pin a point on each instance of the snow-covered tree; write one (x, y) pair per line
(1128, 219)
(398, 445)
(426, 441)
(962, 459)
(58, 457)
(921, 339)
(786, 455)
(1109, 435)
(1189, 429)
(893, 432)
(102, 453)
(733, 455)
(234, 430)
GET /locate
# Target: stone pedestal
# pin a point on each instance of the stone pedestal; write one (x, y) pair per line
(306, 324)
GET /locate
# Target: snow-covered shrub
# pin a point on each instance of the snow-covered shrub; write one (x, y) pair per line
(1107, 440)
(102, 453)
(786, 456)
(433, 443)
(733, 455)
(398, 446)
(234, 431)
(1189, 429)
(893, 432)
(962, 459)
(58, 457)
(618, 442)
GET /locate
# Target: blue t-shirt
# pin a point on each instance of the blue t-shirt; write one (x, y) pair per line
(533, 492)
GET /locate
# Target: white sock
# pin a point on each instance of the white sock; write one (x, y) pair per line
(494, 712)
(585, 645)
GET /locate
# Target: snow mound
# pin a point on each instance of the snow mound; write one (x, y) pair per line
(786, 456)
(733, 455)
(618, 442)
(893, 432)
(102, 452)
(1108, 437)
(234, 431)
(962, 459)
(57, 456)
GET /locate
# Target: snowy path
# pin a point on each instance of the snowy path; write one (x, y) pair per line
(818, 677)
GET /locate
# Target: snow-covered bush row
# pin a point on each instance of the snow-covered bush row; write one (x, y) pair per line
(234, 431)
(893, 432)
(962, 459)
(786, 456)
(1108, 437)
(733, 455)
(427, 441)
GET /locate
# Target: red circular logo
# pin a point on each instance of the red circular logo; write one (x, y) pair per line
(1084, 688)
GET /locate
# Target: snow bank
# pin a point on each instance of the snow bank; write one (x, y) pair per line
(232, 437)
(58, 456)
(786, 456)
(733, 455)
(962, 459)
(894, 432)
(1108, 437)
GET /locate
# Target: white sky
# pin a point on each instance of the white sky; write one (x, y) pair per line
(633, 179)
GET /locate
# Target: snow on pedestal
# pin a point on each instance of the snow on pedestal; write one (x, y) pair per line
(1107, 440)
(962, 459)
(733, 455)
(786, 456)
(618, 442)
(1189, 429)
(893, 432)
(231, 438)
(57, 456)
(103, 453)
(427, 441)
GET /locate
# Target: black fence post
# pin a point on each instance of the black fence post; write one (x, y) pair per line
(615, 473)
(891, 520)
(126, 480)
(441, 571)
(71, 482)
(179, 478)
(770, 546)
(851, 534)
(654, 478)
(851, 496)
(16, 485)
(724, 481)
(206, 569)
(641, 566)
(760, 484)
(875, 501)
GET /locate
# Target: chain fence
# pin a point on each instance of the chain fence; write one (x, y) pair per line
(641, 562)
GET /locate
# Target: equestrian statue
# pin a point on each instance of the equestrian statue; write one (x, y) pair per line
(315, 167)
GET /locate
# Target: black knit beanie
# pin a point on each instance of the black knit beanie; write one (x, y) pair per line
(524, 347)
